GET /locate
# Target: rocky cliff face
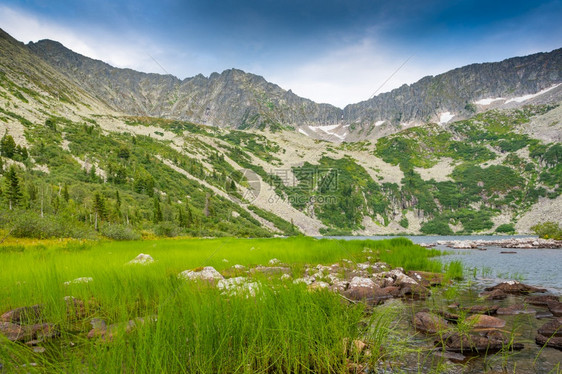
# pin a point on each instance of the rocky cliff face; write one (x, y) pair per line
(237, 99)
(424, 100)
(232, 99)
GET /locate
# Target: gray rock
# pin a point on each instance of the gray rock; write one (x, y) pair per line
(207, 273)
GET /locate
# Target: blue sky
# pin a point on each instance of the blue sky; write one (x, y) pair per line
(335, 51)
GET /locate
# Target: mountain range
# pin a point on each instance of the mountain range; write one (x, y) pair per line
(475, 149)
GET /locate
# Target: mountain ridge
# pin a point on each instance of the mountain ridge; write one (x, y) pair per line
(238, 99)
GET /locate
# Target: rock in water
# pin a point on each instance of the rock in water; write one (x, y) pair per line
(540, 300)
(555, 308)
(515, 288)
(429, 323)
(490, 341)
(550, 334)
(482, 321)
(516, 309)
(142, 259)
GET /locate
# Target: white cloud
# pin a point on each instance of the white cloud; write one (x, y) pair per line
(353, 73)
(125, 51)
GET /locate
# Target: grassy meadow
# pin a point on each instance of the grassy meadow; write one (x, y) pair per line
(181, 326)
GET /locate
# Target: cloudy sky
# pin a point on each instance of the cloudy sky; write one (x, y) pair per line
(334, 51)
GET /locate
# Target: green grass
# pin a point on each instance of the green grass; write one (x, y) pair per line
(285, 328)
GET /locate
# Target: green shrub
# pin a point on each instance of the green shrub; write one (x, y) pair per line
(404, 222)
(506, 228)
(548, 230)
(32, 225)
(436, 227)
(168, 229)
(119, 232)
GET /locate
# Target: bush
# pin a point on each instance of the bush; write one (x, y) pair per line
(404, 222)
(32, 225)
(119, 232)
(506, 228)
(436, 227)
(548, 230)
(168, 229)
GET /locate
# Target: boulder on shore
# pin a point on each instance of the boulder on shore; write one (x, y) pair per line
(208, 273)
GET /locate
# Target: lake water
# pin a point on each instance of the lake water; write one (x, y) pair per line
(538, 267)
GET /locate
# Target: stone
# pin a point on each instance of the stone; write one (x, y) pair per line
(25, 314)
(555, 308)
(540, 300)
(75, 308)
(271, 270)
(515, 309)
(308, 280)
(238, 286)
(515, 288)
(79, 281)
(361, 282)
(550, 334)
(490, 341)
(142, 259)
(12, 331)
(318, 286)
(27, 333)
(208, 273)
(359, 293)
(543, 315)
(551, 328)
(482, 321)
(451, 356)
(552, 342)
(482, 309)
(358, 346)
(494, 295)
(400, 278)
(426, 279)
(414, 291)
(429, 323)
(274, 261)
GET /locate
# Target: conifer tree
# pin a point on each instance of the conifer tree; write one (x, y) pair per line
(157, 210)
(65, 194)
(8, 146)
(12, 190)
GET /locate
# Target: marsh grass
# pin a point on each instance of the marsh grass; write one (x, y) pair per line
(190, 327)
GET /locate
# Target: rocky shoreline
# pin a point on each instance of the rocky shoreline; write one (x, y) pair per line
(458, 331)
(513, 243)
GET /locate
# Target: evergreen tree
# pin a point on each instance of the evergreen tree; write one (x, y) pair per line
(181, 218)
(207, 210)
(99, 206)
(188, 215)
(92, 175)
(32, 191)
(65, 194)
(8, 146)
(157, 210)
(12, 191)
